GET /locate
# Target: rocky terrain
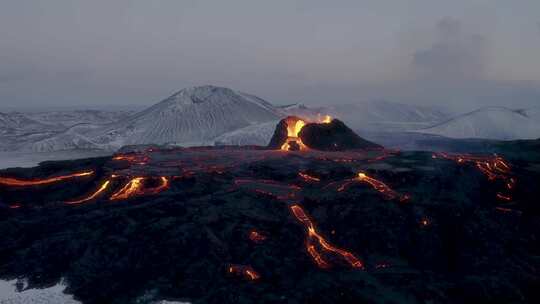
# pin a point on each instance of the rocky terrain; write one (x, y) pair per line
(252, 225)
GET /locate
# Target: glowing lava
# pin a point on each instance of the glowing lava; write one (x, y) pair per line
(8, 181)
(135, 187)
(379, 186)
(493, 167)
(308, 178)
(294, 126)
(315, 242)
(256, 237)
(133, 158)
(382, 188)
(326, 119)
(100, 190)
(246, 271)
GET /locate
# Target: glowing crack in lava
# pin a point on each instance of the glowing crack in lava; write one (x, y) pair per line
(308, 178)
(133, 158)
(8, 181)
(92, 196)
(256, 237)
(135, 187)
(246, 271)
(382, 188)
(379, 186)
(493, 167)
(293, 142)
(315, 242)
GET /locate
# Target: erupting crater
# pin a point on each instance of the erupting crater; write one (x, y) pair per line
(299, 134)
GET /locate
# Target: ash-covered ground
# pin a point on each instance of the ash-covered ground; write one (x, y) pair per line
(250, 225)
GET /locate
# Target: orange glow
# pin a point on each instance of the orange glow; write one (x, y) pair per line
(424, 222)
(102, 188)
(493, 167)
(133, 158)
(135, 187)
(132, 188)
(327, 119)
(503, 197)
(381, 187)
(294, 126)
(35, 182)
(246, 271)
(256, 237)
(308, 178)
(324, 118)
(165, 184)
(314, 239)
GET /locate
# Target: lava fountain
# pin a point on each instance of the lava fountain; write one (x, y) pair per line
(293, 142)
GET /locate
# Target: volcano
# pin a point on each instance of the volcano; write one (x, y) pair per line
(294, 133)
(249, 224)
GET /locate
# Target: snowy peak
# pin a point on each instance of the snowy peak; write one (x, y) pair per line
(209, 94)
(191, 116)
(489, 123)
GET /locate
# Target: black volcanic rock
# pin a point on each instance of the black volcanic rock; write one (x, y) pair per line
(280, 135)
(333, 136)
(178, 244)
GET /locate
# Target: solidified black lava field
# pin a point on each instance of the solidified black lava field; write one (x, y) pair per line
(283, 224)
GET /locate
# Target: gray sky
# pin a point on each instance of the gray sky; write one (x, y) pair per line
(458, 54)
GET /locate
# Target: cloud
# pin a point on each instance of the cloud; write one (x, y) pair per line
(453, 56)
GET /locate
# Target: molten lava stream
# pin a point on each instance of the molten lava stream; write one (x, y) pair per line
(493, 167)
(308, 178)
(314, 240)
(382, 188)
(135, 187)
(8, 181)
(92, 196)
(246, 271)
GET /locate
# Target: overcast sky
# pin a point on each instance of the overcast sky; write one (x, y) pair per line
(458, 54)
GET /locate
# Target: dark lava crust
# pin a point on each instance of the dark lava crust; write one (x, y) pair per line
(448, 244)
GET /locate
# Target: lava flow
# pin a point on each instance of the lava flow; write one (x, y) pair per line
(314, 238)
(256, 237)
(100, 190)
(135, 187)
(133, 158)
(246, 271)
(493, 167)
(379, 186)
(293, 142)
(308, 178)
(382, 188)
(8, 181)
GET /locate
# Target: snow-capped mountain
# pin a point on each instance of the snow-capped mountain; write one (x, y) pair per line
(71, 118)
(190, 117)
(490, 123)
(18, 123)
(259, 134)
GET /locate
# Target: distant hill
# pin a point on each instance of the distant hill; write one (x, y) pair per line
(489, 123)
(190, 117)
